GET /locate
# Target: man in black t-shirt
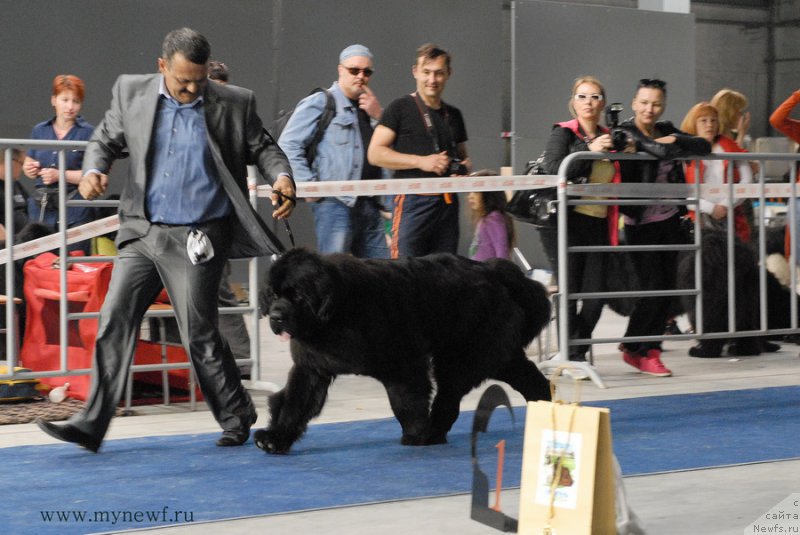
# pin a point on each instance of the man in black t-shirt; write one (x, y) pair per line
(419, 135)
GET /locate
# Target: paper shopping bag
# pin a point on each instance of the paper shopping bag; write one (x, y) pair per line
(567, 485)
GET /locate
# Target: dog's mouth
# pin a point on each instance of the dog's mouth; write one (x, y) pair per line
(278, 326)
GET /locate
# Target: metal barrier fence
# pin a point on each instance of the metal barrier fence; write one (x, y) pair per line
(674, 194)
(568, 194)
(61, 239)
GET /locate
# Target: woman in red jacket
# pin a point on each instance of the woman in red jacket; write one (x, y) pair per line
(703, 121)
(781, 122)
(780, 118)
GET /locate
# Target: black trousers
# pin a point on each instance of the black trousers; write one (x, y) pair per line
(145, 266)
(587, 273)
(657, 270)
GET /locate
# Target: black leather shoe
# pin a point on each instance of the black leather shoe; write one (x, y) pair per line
(69, 433)
(236, 437)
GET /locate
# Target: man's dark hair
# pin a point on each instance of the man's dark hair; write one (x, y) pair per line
(191, 44)
(430, 51)
(218, 71)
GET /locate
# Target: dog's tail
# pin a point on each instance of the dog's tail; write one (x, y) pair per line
(530, 295)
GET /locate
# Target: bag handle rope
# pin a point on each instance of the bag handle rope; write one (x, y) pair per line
(558, 458)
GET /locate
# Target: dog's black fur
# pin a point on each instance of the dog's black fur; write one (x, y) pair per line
(439, 323)
(715, 297)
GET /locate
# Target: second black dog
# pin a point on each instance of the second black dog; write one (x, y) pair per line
(715, 298)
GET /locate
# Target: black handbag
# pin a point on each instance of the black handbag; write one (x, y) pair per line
(534, 206)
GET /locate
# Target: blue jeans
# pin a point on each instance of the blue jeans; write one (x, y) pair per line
(357, 230)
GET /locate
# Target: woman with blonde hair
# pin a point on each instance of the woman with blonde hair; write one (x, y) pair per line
(586, 224)
(734, 121)
(703, 120)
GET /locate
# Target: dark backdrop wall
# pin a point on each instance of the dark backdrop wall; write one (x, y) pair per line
(282, 49)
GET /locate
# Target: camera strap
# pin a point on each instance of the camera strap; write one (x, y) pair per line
(430, 127)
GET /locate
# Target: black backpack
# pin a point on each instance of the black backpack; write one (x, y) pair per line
(324, 120)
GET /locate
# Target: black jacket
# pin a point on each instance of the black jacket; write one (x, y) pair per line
(647, 170)
(561, 143)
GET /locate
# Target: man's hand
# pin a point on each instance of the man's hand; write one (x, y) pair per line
(93, 185)
(283, 204)
(467, 162)
(435, 163)
(368, 102)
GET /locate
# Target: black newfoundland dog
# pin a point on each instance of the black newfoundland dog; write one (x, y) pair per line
(715, 298)
(430, 329)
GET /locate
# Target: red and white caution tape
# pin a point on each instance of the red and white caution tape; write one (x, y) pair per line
(74, 235)
(397, 186)
(494, 183)
(439, 185)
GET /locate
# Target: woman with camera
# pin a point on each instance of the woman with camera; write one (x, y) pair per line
(654, 224)
(586, 224)
(41, 165)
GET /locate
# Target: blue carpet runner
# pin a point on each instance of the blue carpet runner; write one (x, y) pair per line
(150, 481)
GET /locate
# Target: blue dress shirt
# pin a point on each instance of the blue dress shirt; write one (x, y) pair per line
(183, 186)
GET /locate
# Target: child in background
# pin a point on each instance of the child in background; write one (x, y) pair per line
(494, 228)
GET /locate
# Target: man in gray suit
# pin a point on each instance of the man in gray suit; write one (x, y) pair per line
(183, 212)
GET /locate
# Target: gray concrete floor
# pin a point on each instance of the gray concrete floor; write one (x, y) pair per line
(711, 501)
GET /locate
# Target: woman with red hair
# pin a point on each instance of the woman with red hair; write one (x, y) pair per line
(703, 121)
(41, 165)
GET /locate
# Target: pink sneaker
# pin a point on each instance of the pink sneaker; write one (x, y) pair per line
(652, 365)
(632, 358)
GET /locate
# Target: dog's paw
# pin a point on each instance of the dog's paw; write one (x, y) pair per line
(744, 348)
(268, 441)
(702, 352)
(413, 440)
(770, 347)
(437, 438)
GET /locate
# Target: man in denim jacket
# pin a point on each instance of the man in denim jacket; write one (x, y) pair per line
(343, 224)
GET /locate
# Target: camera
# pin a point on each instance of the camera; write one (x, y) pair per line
(457, 167)
(619, 137)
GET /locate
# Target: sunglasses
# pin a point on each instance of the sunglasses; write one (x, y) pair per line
(655, 83)
(355, 71)
(594, 96)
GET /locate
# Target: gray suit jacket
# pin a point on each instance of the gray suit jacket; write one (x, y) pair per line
(236, 138)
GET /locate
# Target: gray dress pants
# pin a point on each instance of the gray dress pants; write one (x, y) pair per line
(143, 267)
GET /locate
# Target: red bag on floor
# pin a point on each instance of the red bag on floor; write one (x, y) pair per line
(87, 285)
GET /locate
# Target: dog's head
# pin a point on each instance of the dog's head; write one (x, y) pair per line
(298, 295)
